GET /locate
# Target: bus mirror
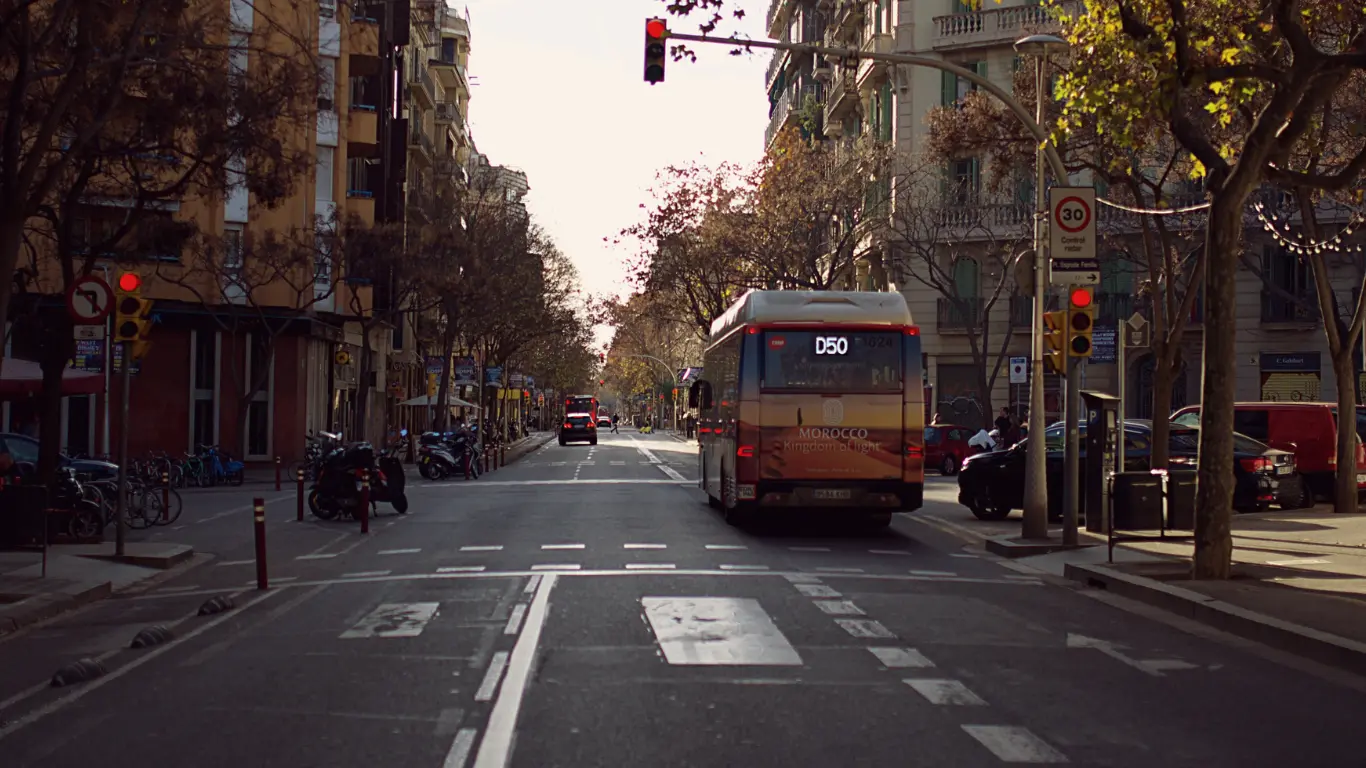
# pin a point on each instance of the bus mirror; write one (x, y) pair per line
(693, 394)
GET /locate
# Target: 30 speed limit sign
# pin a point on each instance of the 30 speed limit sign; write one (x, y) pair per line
(1072, 222)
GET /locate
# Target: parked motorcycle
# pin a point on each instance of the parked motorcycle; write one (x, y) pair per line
(442, 455)
(337, 489)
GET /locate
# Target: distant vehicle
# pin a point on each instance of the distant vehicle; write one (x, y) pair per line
(587, 404)
(24, 450)
(604, 422)
(578, 428)
(946, 446)
(812, 399)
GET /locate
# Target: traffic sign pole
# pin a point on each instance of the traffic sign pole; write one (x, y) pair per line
(121, 509)
(1071, 468)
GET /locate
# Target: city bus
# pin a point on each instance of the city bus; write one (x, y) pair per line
(812, 399)
(581, 404)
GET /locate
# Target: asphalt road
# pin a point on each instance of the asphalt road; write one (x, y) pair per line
(584, 607)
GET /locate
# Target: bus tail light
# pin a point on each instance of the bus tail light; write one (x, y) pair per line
(746, 461)
(745, 452)
(915, 451)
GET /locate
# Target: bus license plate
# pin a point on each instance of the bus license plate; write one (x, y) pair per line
(833, 493)
(1284, 469)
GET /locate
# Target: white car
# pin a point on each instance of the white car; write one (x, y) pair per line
(604, 422)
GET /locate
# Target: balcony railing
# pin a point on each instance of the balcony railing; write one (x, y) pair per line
(776, 16)
(960, 314)
(993, 25)
(1279, 309)
(1113, 308)
(418, 138)
(448, 112)
(421, 78)
(775, 65)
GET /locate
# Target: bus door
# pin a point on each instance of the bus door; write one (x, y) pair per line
(831, 403)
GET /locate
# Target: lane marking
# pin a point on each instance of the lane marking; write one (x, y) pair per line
(188, 588)
(515, 620)
(492, 677)
(493, 548)
(808, 549)
(393, 620)
(1013, 744)
(841, 570)
(558, 463)
(618, 463)
(964, 555)
(728, 547)
(901, 658)
(399, 551)
(274, 580)
(706, 631)
(234, 562)
(316, 556)
(817, 590)
(839, 608)
(1022, 578)
(1299, 561)
(932, 573)
(532, 583)
(364, 574)
(590, 481)
(495, 750)
(460, 569)
(650, 566)
(328, 545)
(562, 546)
(802, 578)
(947, 693)
(673, 473)
(744, 567)
(890, 552)
(459, 753)
(564, 567)
(644, 546)
(9, 728)
(864, 628)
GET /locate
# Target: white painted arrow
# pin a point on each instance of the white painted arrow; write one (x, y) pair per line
(1152, 667)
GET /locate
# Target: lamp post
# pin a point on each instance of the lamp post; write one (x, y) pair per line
(1036, 467)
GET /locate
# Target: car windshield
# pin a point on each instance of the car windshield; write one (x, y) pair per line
(932, 435)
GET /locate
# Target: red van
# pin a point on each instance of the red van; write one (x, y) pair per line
(1309, 430)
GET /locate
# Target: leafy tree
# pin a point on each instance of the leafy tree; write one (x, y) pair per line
(935, 235)
(1242, 87)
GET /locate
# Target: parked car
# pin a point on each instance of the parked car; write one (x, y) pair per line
(992, 484)
(946, 446)
(24, 449)
(1308, 430)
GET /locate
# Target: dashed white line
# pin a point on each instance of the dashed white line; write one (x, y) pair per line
(889, 552)
(839, 608)
(964, 555)
(901, 658)
(808, 549)
(1013, 744)
(744, 567)
(551, 567)
(817, 590)
(1298, 561)
(932, 573)
(644, 546)
(558, 463)
(532, 583)
(168, 590)
(802, 578)
(864, 628)
(323, 556)
(398, 551)
(234, 562)
(515, 620)
(562, 546)
(948, 693)
(461, 569)
(459, 753)
(495, 750)
(618, 463)
(364, 574)
(489, 686)
(650, 566)
(729, 547)
(494, 548)
(840, 570)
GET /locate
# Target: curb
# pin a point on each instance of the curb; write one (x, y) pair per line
(1012, 547)
(520, 450)
(47, 605)
(1300, 640)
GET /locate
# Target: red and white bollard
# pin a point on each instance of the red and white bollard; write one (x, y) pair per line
(258, 511)
(165, 496)
(277, 473)
(299, 475)
(365, 501)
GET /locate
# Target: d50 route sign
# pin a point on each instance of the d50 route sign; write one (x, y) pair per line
(1072, 223)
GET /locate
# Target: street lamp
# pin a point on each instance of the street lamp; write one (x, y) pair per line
(1036, 484)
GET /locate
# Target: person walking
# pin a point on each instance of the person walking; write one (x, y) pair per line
(615, 418)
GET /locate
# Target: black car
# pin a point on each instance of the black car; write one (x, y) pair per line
(992, 484)
(579, 427)
(24, 449)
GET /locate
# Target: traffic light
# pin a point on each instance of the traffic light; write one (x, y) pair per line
(131, 311)
(1081, 320)
(1055, 353)
(656, 31)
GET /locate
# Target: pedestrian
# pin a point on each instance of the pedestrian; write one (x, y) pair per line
(1004, 424)
(615, 417)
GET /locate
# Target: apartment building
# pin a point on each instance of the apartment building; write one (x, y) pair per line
(1282, 348)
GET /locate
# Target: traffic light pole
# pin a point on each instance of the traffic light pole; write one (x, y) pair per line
(121, 508)
(1071, 472)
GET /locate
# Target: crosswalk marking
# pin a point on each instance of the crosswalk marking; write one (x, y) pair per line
(644, 546)
(562, 546)
(411, 551)
(552, 567)
(494, 548)
(864, 628)
(1013, 744)
(717, 631)
(365, 574)
(950, 693)
(744, 567)
(839, 608)
(817, 590)
(393, 620)
(901, 658)
(726, 546)
(305, 557)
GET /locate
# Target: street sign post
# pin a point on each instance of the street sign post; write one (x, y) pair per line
(89, 301)
(1019, 370)
(88, 332)
(1072, 235)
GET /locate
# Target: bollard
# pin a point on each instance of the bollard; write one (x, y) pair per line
(165, 496)
(502, 454)
(299, 474)
(258, 511)
(365, 501)
(277, 473)
(485, 457)
(467, 465)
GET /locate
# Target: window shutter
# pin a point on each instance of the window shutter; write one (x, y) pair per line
(887, 111)
(950, 88)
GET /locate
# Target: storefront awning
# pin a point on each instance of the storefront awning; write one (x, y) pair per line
(21, 378)
(428, 400)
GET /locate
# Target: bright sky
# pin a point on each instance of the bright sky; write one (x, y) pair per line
(561, 95)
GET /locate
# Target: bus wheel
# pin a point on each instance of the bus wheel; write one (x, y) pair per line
(713, 502)
(878, 521)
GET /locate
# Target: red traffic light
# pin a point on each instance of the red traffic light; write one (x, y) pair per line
(129, 282)
(1081, 297)
(656, 28)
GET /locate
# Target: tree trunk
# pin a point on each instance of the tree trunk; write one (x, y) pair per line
(1345, 479)
(1163, 371)
(442, 409)
(11, 240)
(57, 348)
(1215, 480)
(363, 384)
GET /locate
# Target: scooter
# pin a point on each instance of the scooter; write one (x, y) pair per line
(337, 490)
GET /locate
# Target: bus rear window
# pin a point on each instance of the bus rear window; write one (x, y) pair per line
(832, 361)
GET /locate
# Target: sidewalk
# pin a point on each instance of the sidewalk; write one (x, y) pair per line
(1299, 580)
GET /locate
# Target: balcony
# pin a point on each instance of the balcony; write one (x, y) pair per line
(959, 315)
(448, 112)
(776, 65)
(362, 125)
(1000, 220)
(994, 26)
(1022, 311)
(1276, 308)
(451, 169)
(782, 110)
(779, 11)
(419, 140)
(450, 74)
(846, 22)
(420, 83)
(870, 73)
(363, 34)
(841, 99)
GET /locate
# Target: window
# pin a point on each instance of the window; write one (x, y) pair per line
(1187, 419)
(885, 118)
(326, 173)
(239, 43)
(966, 278)
(932, 435)
(204, 378)
(327, 84)
(449, 49)
(232, 250)
(322, 271)
(1254, 424)
(832, 360)
(963, 181)
(327, 8)
(956, 88)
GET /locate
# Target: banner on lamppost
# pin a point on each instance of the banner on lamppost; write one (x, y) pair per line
(463, 374)
(493, 376)
(515, 380)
